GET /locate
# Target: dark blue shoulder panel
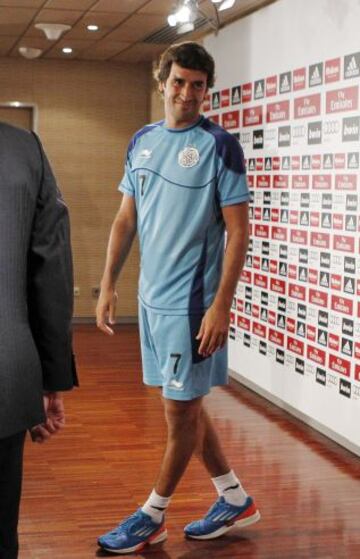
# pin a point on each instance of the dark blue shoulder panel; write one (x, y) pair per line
(227, 147)
(140, 133)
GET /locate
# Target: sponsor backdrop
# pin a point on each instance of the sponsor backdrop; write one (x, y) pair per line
(288, 89)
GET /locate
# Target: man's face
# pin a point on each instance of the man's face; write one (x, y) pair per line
(184, 92)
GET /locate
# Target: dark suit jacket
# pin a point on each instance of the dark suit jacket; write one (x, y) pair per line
(36, 285)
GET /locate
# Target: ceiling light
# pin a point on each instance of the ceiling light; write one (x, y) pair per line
(29, 52)
(186, 13)
(67, 50)
(53, 31)
(172, 20)
(183, 14)
(185, 28)
(226, 5)
(92, 28)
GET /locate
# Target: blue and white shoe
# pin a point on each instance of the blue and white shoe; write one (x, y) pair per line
(220, 518)
(133, 534)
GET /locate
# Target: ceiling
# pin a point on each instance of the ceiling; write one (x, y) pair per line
(129, 30)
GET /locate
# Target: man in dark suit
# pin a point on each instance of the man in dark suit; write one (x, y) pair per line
(36, 294)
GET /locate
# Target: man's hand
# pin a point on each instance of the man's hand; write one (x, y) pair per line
(213, 330)
(106, 310)
(55, 418)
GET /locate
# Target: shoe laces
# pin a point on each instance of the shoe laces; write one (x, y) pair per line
(220, 502)
(129, 522)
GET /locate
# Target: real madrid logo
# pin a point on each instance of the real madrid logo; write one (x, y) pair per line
(188, 157)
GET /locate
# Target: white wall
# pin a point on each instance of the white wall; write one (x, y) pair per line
(283, 37)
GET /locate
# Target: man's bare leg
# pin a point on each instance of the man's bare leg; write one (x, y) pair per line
(183, 420)
(208, 448)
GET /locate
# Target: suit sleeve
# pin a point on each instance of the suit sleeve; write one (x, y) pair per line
(50, 283)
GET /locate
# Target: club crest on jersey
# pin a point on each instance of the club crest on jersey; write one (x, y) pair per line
(188, 157)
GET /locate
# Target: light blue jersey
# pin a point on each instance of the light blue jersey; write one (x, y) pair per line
(181, 178)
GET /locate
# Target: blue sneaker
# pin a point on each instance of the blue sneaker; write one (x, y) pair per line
(220, 517)
(133, 534)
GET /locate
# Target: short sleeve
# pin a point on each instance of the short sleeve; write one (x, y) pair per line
(127, 185)
(232, 187)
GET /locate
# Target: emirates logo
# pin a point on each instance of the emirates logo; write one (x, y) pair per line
(188, 157)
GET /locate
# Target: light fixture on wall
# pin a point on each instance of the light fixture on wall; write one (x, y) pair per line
(53, 31)
(29, 52)
(92, 27)
(67, 50)
(186, 12)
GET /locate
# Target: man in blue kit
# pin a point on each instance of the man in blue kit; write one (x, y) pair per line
(184, 185)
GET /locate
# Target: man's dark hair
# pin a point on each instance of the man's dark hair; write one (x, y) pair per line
(188, 55)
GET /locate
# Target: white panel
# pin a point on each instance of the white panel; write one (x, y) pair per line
(286, 36)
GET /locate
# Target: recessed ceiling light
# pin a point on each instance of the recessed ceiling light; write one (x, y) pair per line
(67, 50)
(92, 27)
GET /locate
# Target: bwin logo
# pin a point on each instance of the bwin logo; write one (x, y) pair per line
(280, 356)
(345, 388)
(326, 202)
(314, 133)
(300, 366)
(262, 348)
(321, 376)
(301, 312)
(246, 340)
(351, 202)
(351, 127)
(323, 319)
(325, 260)
(349, 265)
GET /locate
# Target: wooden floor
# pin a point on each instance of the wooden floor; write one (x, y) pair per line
(103, 465)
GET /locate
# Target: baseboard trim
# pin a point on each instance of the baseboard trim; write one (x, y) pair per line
(342, 441)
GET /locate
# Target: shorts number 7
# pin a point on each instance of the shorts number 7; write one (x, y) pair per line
(176, 356)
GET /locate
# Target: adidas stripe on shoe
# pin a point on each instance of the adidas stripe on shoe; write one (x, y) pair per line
(221, 517)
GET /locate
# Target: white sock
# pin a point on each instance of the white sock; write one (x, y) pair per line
(156, 506)
(229, 487)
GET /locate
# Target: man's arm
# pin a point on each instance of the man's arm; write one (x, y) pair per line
(215, 324)
(50, 284)
(122, 234)
(50, 298)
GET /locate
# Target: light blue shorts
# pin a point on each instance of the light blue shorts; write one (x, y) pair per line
(170, 356)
